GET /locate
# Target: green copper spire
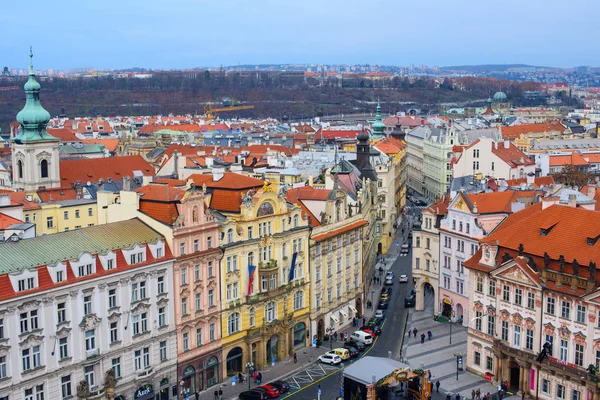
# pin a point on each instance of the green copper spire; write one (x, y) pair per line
(33, 117)
(378, 126)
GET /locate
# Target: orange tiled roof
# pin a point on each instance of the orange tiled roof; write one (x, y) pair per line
(7, 221)
(20, 198)
(159, 191)
(440, 207)
(230, 180)
(226, 200)
(514, 132)
(165, 212)
(537, 182)
(109, 144)
(64, 134)
(49, 195)
(297, 195)
(94, 169)
(511, 156)
(339, 231)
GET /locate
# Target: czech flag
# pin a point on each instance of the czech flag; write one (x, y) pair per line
(251, 270)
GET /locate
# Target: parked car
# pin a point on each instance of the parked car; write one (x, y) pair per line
(252, 395)
(369, 330)
(281, 385)
(387, 290)
(413, 291)
(389, 280)
(272, 391)
(389, 274)
(384, 297)
(360, 346)
(342, 353)
(382, 305)
(360, 336)
(409, 301)
(353, 351)
(404, 249)
(379, 314)
(330, 359)
(403, 279)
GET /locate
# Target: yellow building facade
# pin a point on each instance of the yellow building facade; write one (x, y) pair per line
(264, 280)
(62, 216)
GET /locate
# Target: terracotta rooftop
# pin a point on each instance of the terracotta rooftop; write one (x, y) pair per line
(343, 229)
(6, 221)
(229, 181)
(94, 169)
(57, 194)
(511, 155)
(64, 134)
(514, 132)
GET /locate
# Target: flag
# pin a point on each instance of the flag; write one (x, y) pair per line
(293, 266)
(251, 269)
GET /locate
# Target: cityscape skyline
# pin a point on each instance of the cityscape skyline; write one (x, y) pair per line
(158, 35)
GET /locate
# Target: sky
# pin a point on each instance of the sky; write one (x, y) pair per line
(177, 34)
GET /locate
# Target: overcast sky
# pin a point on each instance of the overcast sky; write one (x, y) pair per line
(193, 33)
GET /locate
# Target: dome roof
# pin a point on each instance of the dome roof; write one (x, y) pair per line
(499, 97)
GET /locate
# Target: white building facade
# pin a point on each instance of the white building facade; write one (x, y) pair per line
(78, 304)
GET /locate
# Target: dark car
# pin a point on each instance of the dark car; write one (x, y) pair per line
(413, 292)
(352, 350)
(387, 290)
(409, 301)
(281, 385)
(383, 305)
(252, 395)
(272, 391)
(357, 345)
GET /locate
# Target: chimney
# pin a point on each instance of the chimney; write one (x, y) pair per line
(506, 144)
(100, 184)
(175, 164)
(572, 201)
(591, 192)
(496, 145)
(530, 178)
(126, 183)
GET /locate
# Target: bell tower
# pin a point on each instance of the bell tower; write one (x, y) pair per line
(35, 159)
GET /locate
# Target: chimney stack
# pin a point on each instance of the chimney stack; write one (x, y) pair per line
(530, 178)
(126, 183)
(591, 192)
(506, 144)
(572, 201)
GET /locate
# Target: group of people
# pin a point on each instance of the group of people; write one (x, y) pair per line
(477, 395)
(415, 331)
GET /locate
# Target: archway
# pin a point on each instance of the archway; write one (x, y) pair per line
(212, 371)
(359, 312)
(428, 297)
(379, 248)
(459, 312)
(446, 307)
(272, 349)
(234, 361)
(515, 372)
(299, 335)
(320, 328)
(189, 379)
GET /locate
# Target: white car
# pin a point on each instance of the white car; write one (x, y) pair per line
(330, 359)
(379, 314)
(389, 280)
(403, 279)
(389, 274)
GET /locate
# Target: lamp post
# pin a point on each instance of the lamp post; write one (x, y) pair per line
(459, 361)
(249, 367)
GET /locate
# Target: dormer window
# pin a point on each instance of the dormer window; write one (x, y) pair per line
(59, 276)
(136, 258)
(26, 284)
(84, 270)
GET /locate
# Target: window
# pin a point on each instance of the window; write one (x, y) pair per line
(531, 300)
(270, 312)
(142, 358)
(211, 297)
(159, 252)
(299, 300)
(76, 213)
(84, 270)
(546, 386)
(50, 222)
(459, 286)
(251, 316)
(38, 391)
(228, 291)
(183, 276)
(90, 340)
(317, 273)
(196, 273)
(233, 323)
(140, 323)
(236, 291)
(109, 264)
(505, 331)
(478, 315)
(529, 339)
(61, 311)
(564, 350)
(417, 263)
(417, 241)
(468, 227)
(581, 314)
(114, 332)
(196, 245)
(44, 168)
(550, 305)
(88, 373)
(460, 226)
(66, 215)
(31, 358)
(296, 221)
(65, 386)
(356, 257)
(491, 325)
(338, 266)
(112, 298)
(492, 288)
(250, 232)
(579, 354)
(198, 337)
(230, 236)
(518, 296)
(198, 302)
(161, 317)
(489, 363)
(517, 336)
(162, 350)
(3, 370)
(184, 306)
(116, 365)
(181, 248)
(209, 242)
(186, 341)
(427, 265)
(576, 395)
(87, 305)
(90, 212)
(211, 332)
(477, 358)
(210, 269)
(506, 293)
(20, 169)
(63, 348)
(565, 310)
(160, 284)
(560, 392)
(479, 285)
(329, 269)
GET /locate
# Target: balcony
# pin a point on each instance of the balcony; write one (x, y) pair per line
(92, 353)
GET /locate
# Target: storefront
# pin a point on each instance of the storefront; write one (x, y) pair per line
(145, 392)
(299, 335)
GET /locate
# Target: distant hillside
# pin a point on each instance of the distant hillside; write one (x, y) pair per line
(488, 67)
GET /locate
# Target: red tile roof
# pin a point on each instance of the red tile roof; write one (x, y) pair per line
(109, 144)
(7, 221)
(390, 145)
(226, 200)
(49, 195)
(511, 155)
(297, 195)
(230, 180)
(159, 191)
(64, 134)
(537, 182)
(339, 231)
(94, 169)
(165, 212)
(514, 132)
(20, 198)
(338, 134)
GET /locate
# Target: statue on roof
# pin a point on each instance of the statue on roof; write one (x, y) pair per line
(593, 272)
(247, 198)
(282, 190)
(561, 263)
(575, 265)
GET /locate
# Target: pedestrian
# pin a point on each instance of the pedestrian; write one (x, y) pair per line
(457, 396)
(429, 335)
(240, 378)
(197, 395)
(216, 395)
(437, 386)
(473, 394)
(295, 358)
(259, 376)
(422, 338)
(522, 395)
(335, 336)
(478, 394)
(220, 394)
(415, 332)
(364, 321)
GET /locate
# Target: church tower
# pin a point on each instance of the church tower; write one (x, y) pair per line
(378, 126)
(363, 157)
(35, 156)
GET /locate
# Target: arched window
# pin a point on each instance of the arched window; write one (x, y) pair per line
(44, 168)
(230, 236)
(270, 312)
(233, 323)
(20, 168)
(251, 258)
(251, 316)
(195, 214)
(298, 300)
(296, 221)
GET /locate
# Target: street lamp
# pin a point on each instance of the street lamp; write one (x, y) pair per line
(330, 331)
(459, 362)
(249, 367)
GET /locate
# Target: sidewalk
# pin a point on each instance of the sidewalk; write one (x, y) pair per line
(437, 354)
(280, 371)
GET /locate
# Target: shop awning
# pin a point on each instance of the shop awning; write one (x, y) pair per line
(337, 321)
(343, 313)
(352, 309)
(447, 301)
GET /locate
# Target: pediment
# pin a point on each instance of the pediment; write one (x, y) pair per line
(114, 316)
(514, 272)
(32, 304)
(162, 302)
(4, 350)
(32, 340)
(90, 322)
(63, 332)
(140, 308)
